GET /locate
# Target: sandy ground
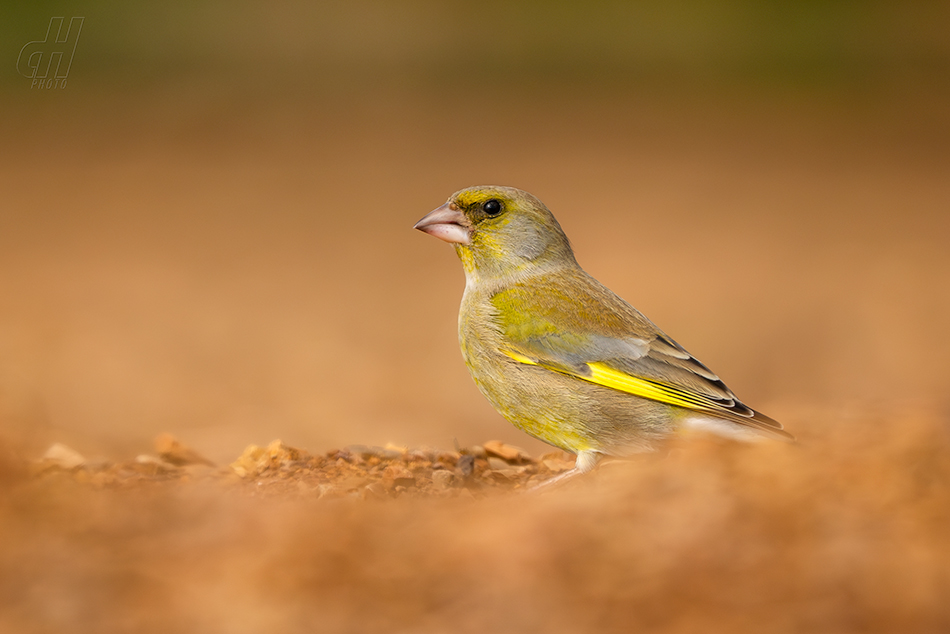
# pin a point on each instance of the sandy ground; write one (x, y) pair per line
(235, 269)
(844, 534)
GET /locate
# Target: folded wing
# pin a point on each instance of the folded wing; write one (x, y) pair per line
(576, 326)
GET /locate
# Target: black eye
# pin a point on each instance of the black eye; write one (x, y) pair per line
(492, 207)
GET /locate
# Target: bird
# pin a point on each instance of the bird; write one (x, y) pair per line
(560, 355)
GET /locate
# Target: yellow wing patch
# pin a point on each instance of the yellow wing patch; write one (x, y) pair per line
(644, 388)
(608, 377)
(520, 358)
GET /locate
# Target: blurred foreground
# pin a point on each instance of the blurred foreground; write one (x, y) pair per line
(209, 233)
(846, 532)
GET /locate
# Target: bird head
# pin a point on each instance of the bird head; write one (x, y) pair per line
(499, 231)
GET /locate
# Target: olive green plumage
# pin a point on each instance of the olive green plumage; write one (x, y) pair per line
(560, 355)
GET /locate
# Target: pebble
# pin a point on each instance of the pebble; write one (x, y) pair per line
(398, 476)
(557, 464)
(497, 464)
(152, 460)
(443, 479)
(256, 460)
(59, 455)
(476, 450)
(506, 452)
(466, 465)
(175, 452)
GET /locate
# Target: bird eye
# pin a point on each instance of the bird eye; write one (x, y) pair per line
(492, 207)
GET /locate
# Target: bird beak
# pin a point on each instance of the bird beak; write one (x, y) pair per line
(447, 223)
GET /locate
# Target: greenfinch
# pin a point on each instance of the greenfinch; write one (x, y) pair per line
(561, 356)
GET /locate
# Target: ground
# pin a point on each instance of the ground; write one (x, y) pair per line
(842, 532)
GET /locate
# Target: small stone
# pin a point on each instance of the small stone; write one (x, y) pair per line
(466, 465)
(279, 453)
(443, 479)
(475, 450)
(512, 472)
(150, 466)
(145, 459)
(177, 453)
(396, 476)
(251, 462)
(497, 464)
(506, 452)
(416, 456)
(256, 460)
(447, 458)
(557, 461)
(59, 455)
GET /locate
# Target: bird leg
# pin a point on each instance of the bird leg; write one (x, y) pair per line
(585, 463)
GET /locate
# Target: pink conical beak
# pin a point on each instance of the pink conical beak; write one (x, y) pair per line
(447, 223)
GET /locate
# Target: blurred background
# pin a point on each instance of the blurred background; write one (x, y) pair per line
(208, 230)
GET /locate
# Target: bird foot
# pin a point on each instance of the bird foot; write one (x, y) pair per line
(585, 463)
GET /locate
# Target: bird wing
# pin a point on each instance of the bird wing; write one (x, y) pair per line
(568, 322)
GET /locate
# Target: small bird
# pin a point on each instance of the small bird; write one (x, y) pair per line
(560, 355)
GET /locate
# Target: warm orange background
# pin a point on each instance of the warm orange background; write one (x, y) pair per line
(209, 233)
(236, 270)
